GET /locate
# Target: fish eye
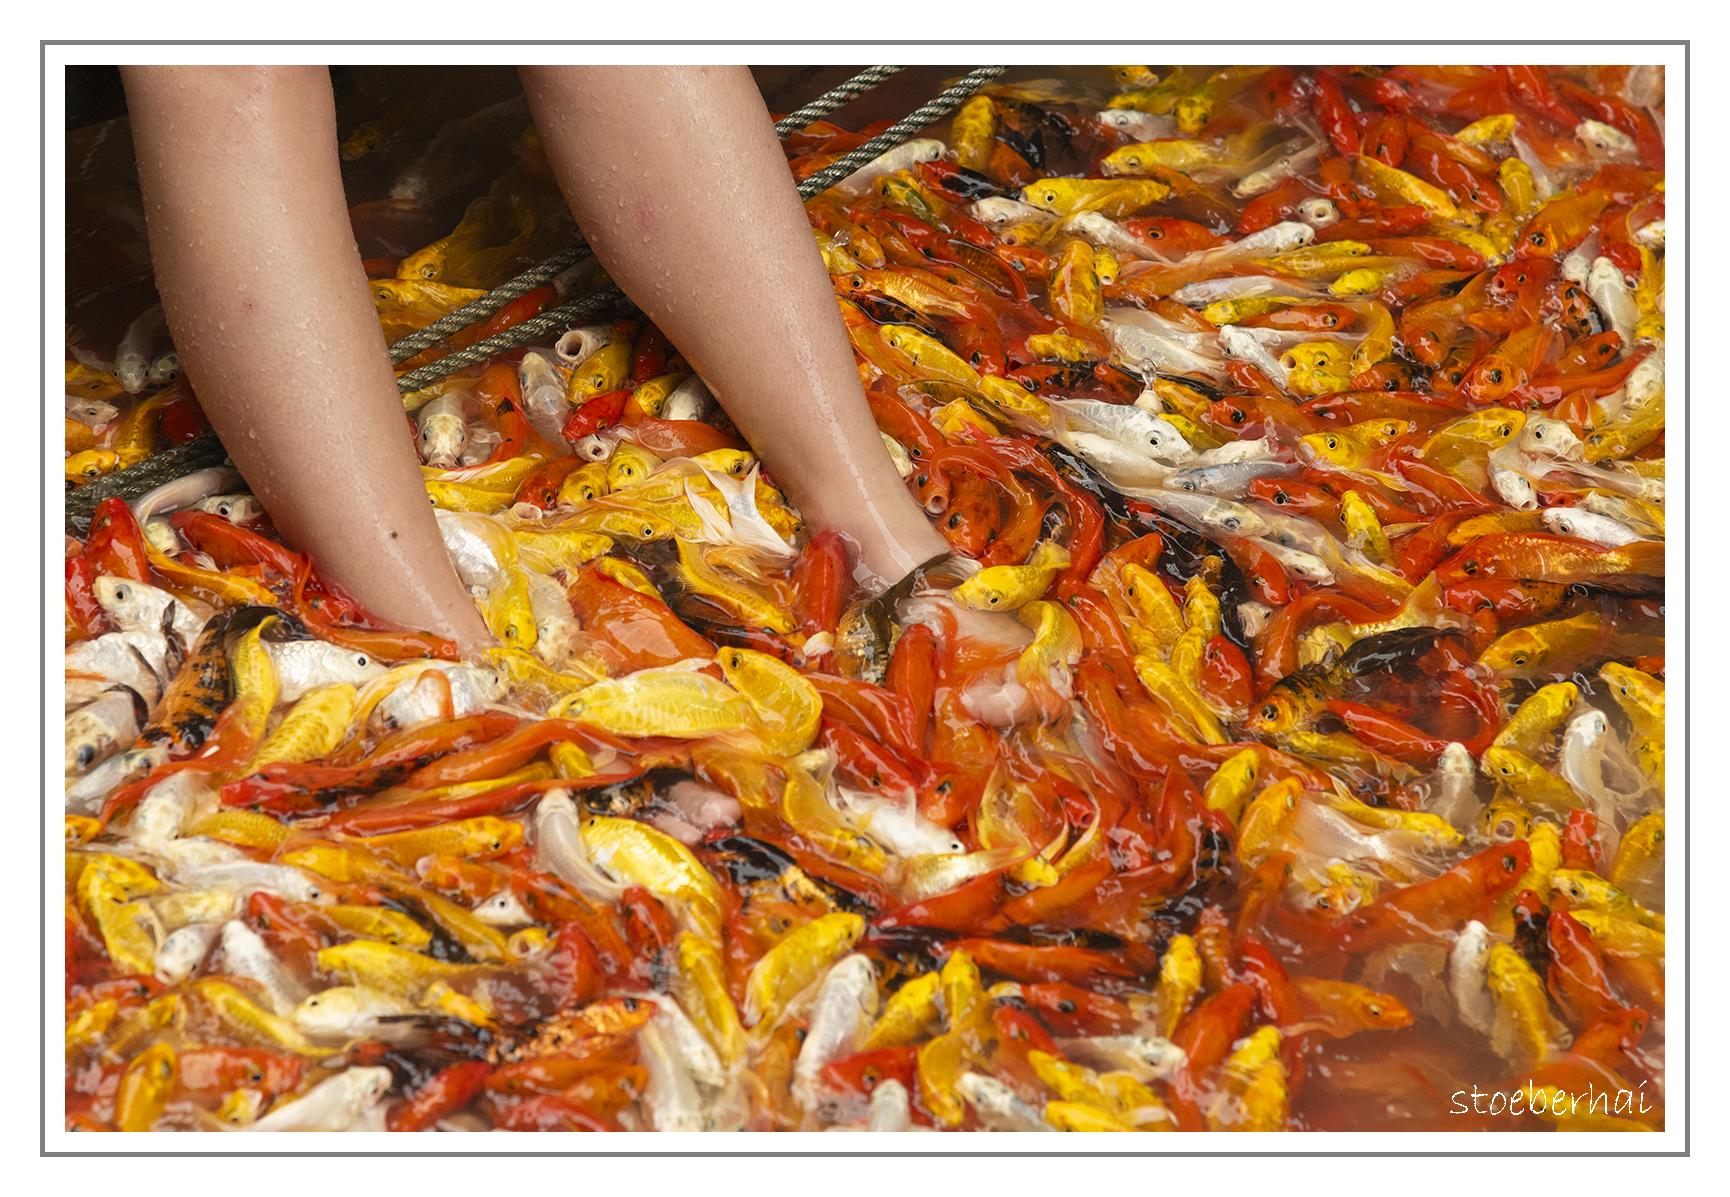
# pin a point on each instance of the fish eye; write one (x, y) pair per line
(1471, 567)
(86, 755)
(121, 592)
(1375, 1009)
(1232, 523)
(1520, 659)
(1510, 862)
(1332, 442)
(1270, 711)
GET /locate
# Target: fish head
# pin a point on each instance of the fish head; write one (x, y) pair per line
(1278, 711)
(330, 1012)
(1382, 1011)
(1520, 649)
(1329, 449)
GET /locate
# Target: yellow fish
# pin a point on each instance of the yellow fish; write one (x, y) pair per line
(1007, 587)
(793, 964)
(681, 703)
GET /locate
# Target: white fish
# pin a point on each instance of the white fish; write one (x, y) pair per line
(1268, 177)
(170, 806)
(160, 535)
(897, 824)
(1121, 466)
(891, 1108)
(132, 356)
(164, 369)
(1549, 437)
(1469, 977)
(690, 400)
(1453, 788)
(1589, 750)
(580, 344)
(503, 909)
(345, 1012)
(1514, 487)
(1246, 286)
(303, 666)
(92, 413)
(905, 156)
(1253, 617)
(743, 525)
(1212, 516)
(557, 634)
(1318, 213)
(1587, 525)
(245, 954)
(179, 955)
(84, 796)
(1140, 126)
(1228, 479)
(332, 1105)
(1328, 835)
(142, 660)
(688, 1042)
(1103, 231)
(480, 547)
(1244, 345)
(97, 731)
(1577, 265)
(1000, 212)
(185, 492)
(1294, 531)
(544, 403)
(1604, 142)
(1151, 344)
(671, 1094)
(236, 508)
(840, 1018)
(472, 691)
(1275, 239)
(1146, 1057)
(998, 1105)
(136, 607)
(559, 848)
(1609, 290)
(1645, 380)
(1299, 564)
(443, 430)
(1650, 235)
(1136, 428)
(249, 877)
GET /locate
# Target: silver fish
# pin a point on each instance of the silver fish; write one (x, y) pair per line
(335, 1104)
(998, 1105)
(1469, 977)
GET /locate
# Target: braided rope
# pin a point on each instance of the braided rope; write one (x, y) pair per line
(832, 99)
